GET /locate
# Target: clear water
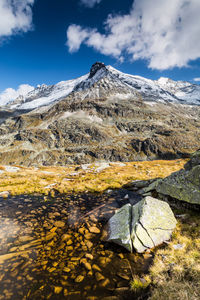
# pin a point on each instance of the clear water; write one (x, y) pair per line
(48, 252)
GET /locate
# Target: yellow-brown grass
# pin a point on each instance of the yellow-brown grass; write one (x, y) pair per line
(31, 180)
(175, 273)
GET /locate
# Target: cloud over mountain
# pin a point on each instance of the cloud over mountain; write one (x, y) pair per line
(15, 16)
(197, 79)
(165, 33)
(11, 94)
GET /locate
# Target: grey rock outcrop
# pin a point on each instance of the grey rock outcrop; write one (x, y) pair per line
(142, 186)
(143, 226)
(183, 185)
(95, 68)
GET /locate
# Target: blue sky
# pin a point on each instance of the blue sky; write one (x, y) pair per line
(46, 41)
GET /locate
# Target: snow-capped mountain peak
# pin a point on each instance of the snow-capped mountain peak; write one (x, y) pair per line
(103, 81)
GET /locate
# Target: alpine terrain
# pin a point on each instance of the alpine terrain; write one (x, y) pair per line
(103, 115)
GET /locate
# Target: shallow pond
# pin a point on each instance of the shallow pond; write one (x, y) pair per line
(52, 248)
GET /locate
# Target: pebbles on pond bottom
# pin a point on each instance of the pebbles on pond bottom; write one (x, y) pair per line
(64, 253)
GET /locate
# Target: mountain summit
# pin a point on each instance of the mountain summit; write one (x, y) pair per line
(103, 115)
(96, 67)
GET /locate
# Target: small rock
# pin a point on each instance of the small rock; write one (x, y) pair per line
(59, 224)
(79, 278)
(104, 282)
(25, 238)
(103, 261)
(88, 236)
(109, 191)
(179, 246)
(66, 237)
(11, 169)
(86, 264)
(50, 185)
(81, 230)
(50, 236)
(94, 229)
(89, 244)
(90, 273)
(58, 289)
(4, 194)
(51, 270)
(67, 270)
(69, 242)
(183, 216)
(75, 258)
(99, 276)
(96, 268)
(90, 256)
(123, 276)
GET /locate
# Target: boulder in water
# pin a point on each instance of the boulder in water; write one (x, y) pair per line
(143, 226)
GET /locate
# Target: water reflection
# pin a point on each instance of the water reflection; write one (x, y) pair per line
(51, 248)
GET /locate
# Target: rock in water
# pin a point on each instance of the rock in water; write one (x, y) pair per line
(119, 227)
(152, 223)
(145, 225)
(183, 185)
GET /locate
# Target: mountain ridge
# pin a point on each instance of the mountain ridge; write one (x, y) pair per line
(163, 89)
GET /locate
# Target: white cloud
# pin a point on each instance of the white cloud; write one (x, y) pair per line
(165, 33)
(15, 16)
(76, 36)
(197, 79)
(10, 94)
(90, 3)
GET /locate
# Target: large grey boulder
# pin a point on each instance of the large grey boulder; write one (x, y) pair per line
(143, 226)
(183, 185)
(152, 223)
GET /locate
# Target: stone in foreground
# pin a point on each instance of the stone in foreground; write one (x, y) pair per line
(143, 226)
(119, 227)
(152, 223)
(183, 185)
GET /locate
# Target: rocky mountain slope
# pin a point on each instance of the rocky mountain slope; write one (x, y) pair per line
(104, 115)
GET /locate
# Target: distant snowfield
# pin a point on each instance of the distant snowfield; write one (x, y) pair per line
(152, 91)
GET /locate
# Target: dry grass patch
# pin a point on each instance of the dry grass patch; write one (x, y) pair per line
(68, 179)
(175, 272)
